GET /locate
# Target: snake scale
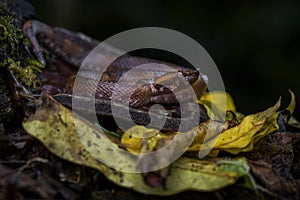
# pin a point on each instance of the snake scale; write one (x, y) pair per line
(73, 48)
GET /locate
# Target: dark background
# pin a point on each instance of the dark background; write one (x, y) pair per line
(255, 45)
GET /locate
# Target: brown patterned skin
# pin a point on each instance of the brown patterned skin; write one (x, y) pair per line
(72, 48)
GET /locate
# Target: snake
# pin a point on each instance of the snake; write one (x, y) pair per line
(73, 48)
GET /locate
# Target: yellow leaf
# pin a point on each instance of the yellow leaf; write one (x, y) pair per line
(205, 132)
(269, 127)
(222, 102)
(53, 125)
(241, 135)
(218, 97)
(133, 137)
(292, 105)
(240, 138)
(294, 123)
(213, 153)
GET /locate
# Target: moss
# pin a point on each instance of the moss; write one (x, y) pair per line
(29, 75)
(14, 51)
(9, 36)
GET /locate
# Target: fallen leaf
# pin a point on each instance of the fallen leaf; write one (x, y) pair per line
(53, 125)
(241, 135)
(221, 101)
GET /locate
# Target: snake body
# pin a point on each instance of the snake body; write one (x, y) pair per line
(73, 48)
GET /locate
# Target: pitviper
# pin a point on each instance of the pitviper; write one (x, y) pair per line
(156, 85)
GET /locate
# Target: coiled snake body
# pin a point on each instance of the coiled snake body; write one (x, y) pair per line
(143, 88)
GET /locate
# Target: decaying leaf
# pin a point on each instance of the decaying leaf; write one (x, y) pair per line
(53, 125)
(251, 129)
(242, 135)
(134, 137)
(292, 105)
(236, 139)
(294, 123)
(206, 132)
(222, 102)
